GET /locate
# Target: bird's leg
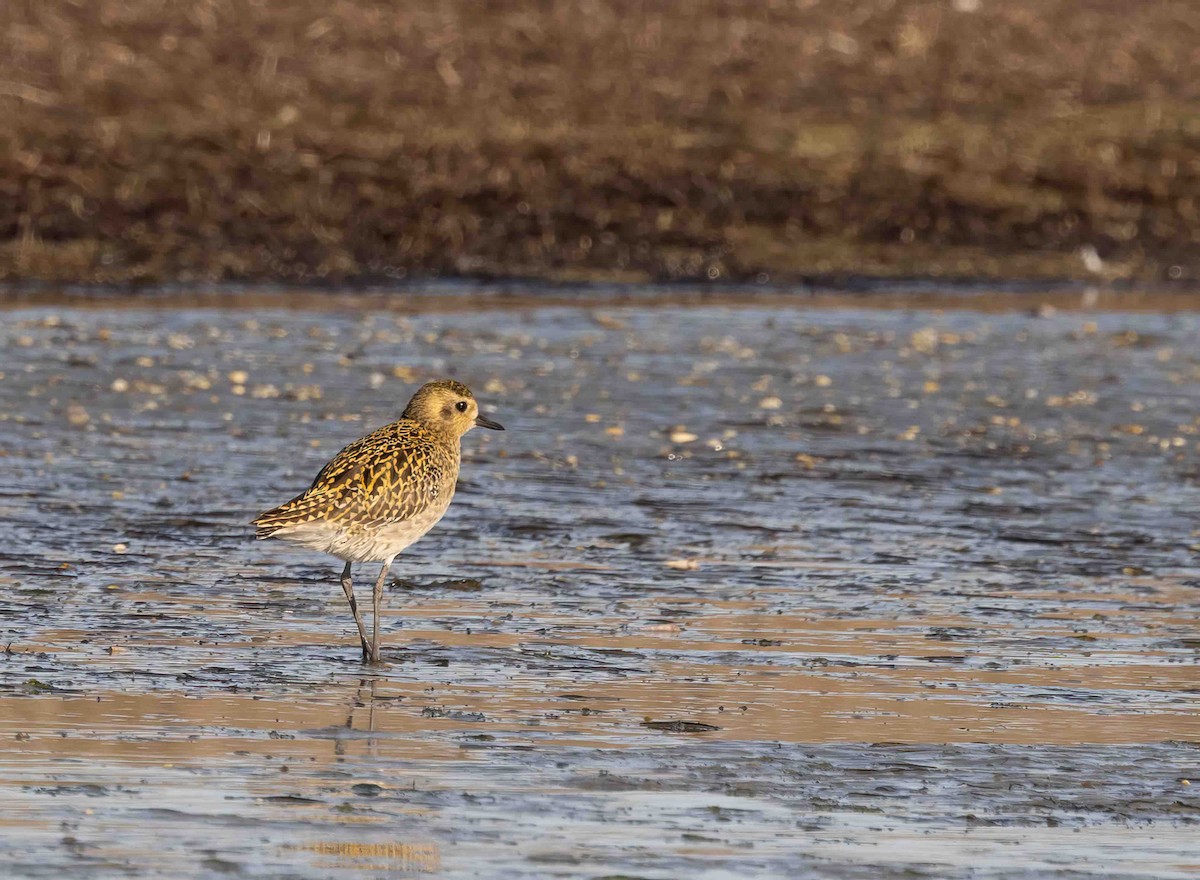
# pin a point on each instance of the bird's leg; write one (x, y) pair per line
(362, 630)
(378, 598)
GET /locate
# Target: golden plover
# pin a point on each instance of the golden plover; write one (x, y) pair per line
(383, 492)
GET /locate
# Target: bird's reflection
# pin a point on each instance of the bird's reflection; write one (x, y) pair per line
(363, 698)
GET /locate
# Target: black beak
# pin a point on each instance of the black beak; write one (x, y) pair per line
(488, 423)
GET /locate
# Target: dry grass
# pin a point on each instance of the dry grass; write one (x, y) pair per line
(218, 139)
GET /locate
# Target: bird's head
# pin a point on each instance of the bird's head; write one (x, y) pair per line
(447, 407)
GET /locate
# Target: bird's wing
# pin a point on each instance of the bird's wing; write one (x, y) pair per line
(389, 476)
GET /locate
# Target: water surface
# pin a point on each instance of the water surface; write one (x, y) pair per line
(743, 591)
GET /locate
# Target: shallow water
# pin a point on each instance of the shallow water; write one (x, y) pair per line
(742, 591)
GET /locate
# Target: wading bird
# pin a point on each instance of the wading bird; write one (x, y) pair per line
(383, 492)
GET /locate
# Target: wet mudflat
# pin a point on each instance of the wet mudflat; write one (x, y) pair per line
(742, 592)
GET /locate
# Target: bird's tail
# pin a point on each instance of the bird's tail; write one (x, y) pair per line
(301, 509)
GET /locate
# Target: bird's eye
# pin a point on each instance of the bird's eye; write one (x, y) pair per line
(461, 406)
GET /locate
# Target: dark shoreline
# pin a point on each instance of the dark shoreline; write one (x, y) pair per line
(448, 295)
(611, 141)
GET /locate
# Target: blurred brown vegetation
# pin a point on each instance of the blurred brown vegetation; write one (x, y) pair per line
(155, 140)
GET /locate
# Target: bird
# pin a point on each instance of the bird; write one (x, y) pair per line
(383, 492)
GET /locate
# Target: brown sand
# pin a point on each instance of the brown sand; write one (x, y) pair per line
(614, 139)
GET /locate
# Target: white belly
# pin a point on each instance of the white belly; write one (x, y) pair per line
(362, 543)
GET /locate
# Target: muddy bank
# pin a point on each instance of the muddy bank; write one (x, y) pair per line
(741, 591)
(616, 140)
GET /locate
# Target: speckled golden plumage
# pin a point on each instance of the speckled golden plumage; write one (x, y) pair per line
(384, 491)
(392, 475)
